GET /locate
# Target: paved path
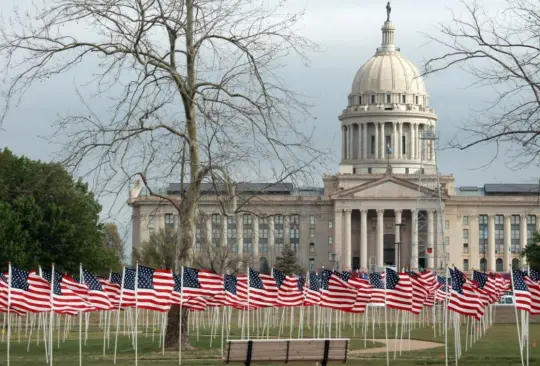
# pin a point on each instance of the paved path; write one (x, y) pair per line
(415, 345)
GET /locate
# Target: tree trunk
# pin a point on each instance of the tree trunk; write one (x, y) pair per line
(172, 335)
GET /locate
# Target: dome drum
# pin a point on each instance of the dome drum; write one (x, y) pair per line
(388, 98)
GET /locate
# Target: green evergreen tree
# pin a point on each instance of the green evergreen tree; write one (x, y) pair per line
(288, 263)
(532, 252)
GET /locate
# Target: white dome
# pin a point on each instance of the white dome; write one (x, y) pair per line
(388, 70)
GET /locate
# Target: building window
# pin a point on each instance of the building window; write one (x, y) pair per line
(248, 247)
(279, 233)
(369, 170)
(295, 219)
(263, 233)
(372, 145)
(311, 232)
(278, 247)
(295, 233)
(231, 233)
(263, 221)
(216, 233)
(514, 220)
(330, 240)
(417, 99)
(446, 240)
(198, 247)
(247, 219)
(406, 170)
(294, 246)
(388, 142)
(465, 265)
(531, 220)
(312, 220)
(198, 233)
(447, 225)
(330, 256)
(278, 219)
(403, 99)
(499, 265)
(373, 99)
(151, 220)
(483, 231)
(499, 220)
(465, 248)
(263, 247)
(388, 98)
(403, 145)
(360, 99)
(312, 247)
(215, 219)
(248, 233)
(311, 264)
(515, 263)
(169, 220)
(531, 228)
(483, 264)
(330, 224)
(231, 219)
(465, 220)
(515, 234)
(466, 234)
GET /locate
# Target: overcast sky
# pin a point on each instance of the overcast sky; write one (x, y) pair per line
(348, 32)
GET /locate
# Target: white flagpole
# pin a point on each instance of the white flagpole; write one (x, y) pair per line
(81, 280)
(136, 310)
(118, 313)
(385, 319)
(517, 319)
(51, 318)
(247, 311)
(180, 315)
(10, 280)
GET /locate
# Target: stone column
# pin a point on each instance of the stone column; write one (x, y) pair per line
(383, 145)
(360, 141)
(474, 241)
(346, 258)
(271, 240)
(286, 229)
(224, 224)
(351, 141)
(395, 142)
(338, 214)
(208, 226)
(523, 235)
(240, 232)
(430, 239)
(411, 141)
(365, 140)
(400, 154)
(255, 239)
(397, 214)
(380, 238)
(343, 142)
(491, 243)
(414, 239)
(507, 241)
(363, 240)
(417, 142)
(376, 150)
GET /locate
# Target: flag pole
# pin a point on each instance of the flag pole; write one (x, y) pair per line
(81, 280)
(180, 316)
(118, 313)
(247, 311)
(8, 309)
(136, 310)
(516, 312)
(386, 319)
(51, 318)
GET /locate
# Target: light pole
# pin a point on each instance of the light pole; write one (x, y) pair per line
(398, 244)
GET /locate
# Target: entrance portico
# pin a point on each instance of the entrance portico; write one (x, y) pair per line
(368, 225)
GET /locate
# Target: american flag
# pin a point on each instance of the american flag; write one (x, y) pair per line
(336, 293)
(398, 290)
(419, 292)
(464, 299)
(290, 289)
(4, 289)
(378, 292)
(97, 297)
(79, 289)
(430, 283)
(488, 285)
(154, 288)
(64, 300)
(522, 294)
(312, 294)
(443, 292)
(196, 303)
(229, 284)
(29, 292)
(201, 283)
(363, 294)
(111, 289)
(534, 288)
(263, 290)
(176, 295)
(127, 294)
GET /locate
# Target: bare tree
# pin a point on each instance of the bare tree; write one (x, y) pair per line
(187, 90)
(500, 50)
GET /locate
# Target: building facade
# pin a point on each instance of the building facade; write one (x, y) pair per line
(387, 205)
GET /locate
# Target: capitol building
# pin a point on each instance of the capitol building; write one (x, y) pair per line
(386, 205)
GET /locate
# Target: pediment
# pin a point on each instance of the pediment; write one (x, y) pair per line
(388, 187)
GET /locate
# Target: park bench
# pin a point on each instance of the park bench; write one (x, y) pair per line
(321, 351)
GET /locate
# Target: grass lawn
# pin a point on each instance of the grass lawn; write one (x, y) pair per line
(498, 347)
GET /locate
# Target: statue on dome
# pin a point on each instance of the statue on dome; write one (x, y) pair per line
(388, 11)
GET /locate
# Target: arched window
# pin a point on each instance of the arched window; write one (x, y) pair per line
(466, 265)
(483, 265)
(373, 99)
(499, 265)
(515, 263)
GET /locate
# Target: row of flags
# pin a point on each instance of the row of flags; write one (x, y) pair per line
(24, 291)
